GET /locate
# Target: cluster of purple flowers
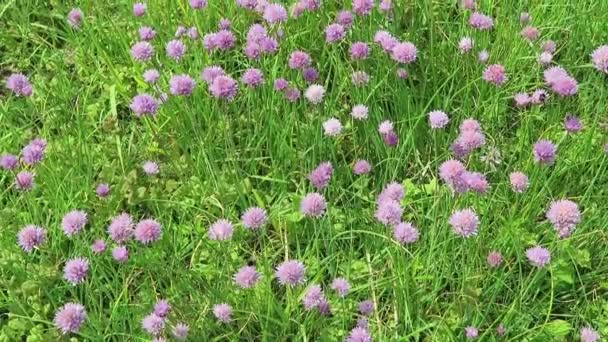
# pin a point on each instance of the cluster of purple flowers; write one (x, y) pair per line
(32, 154)
(388, 134)
(259, 42)
(460, 180)
(471, 137)
(155, 322)
(560, 82)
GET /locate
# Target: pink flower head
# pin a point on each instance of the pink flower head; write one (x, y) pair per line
(73, 222)
(121, 228)
(142, 51)
(389, 212)
(362, 167)
(438, 119)
(360, 78)
(464, 222)
(599, 57)
(299, 60)
(275, 13)
(385, 40)
(332, 127)
(359, 51)
(19, 84)
(404, 52)
(589, 335)
(525, 18)
(148, 231)
(146, 33)
(334, 33)
(538, 256)
(521, 100)
(198, 4)
(76, 270)
(494, 259)
(359, 112)
(291, 273)
(545, 152)
(70, 318)
(564, 215)
(313, 205)
(31, 237)
(549, 46)
(465, 45)
(221, 230)
(75, 17)
(345, 18)
(253, 78)
(314, 93)
(363, 7)
(572, 124)
(481, 21)
(254, 218)
(519, 182)
(24, 181)
(321, 175)
(176, 49)
(247, 277)
(139, 9)
(405, 233)
(120, 254)
(495, 74)
(530, 33)
(144, 105)
(224, 87)
(483, 56)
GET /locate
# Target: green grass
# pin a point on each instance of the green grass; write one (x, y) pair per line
(217, 159)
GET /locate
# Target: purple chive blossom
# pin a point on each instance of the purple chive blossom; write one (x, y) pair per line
(468, 4)
(404, 52)
(386, 40)
(385, 5)
(310, 75)
(405, 233)
(31, 237)
(146, 33)
(332, 127)
(121, 228)
(150, 168)
(148, 231)
(389, 212)
(248, 4)
(345, 18)
(254, 218)
(599, 57)
(401, 73)
(33, 153)
(464, 223)
(465, 45)
(182, 85)
(162, 308)
(324, 307)
(210, 73)
(390, 139)
(589, 335)
(224, 40)
(340, 286)
(334, 33)
(471, 333)
(221, 230)
(481, 21)
(495, 74)
(314, 93)
(549, 46)
(392, 192)
(359, 51)
(292, 94)
(198, 4)
(539, 96)
(291, 273)
(544, 152)
(24, 181)
(438, 119)
(494, 259)
(321, 175)
(524, 18)
(180, 331)
(253, 78)
(312, 297)
(247, 277)
(363, 7)
(192, 33)
(73, 222)
(120, 254)
(519, 182)
(70, 318)
(362, 167)
(359, 78)
(139, 9)
(142, 51)
(299, 60)
(102, 190)
(530, 33)
(358, 334)
(153, 324)
(280, 84)
(151, 76)
(313, 205)
(75, 17)
(564, 215)
(452, 173)
(366, 307)
(223, 312)
(224, 87)
(545, 58)
(359, 112)
(521, 100)
(560, 81)
(572, 124)
(385, 127)
(176, 49)
(76, 270)
(98, 246)
(19, 84)
(483, 56)
(363, 323)
(224, 24)
(144, 105)
(8, 161)
(476, 182)
(275, 13)
(538, 256)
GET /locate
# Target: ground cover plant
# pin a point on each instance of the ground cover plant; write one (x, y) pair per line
(303, 170)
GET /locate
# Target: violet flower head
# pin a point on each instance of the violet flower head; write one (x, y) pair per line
(254, 218)
(549, 46)
(315, 93)
(564, 215)
(313, 205)
(150, 168)
(146, 33)
(292, 94)
(247, 277)
(495, 74)
(438, 119)
(481, 21)
(102, 190)
(33, 153)
(99, 246)
(31, 237)
(291, 273)
(70, 318)
(599, 57)
(362, 167)
(153, 324)
(389, 212)
(144, 105)
(464, 222)
(73, 222)
(182, 85)
(139, 9)
(363, 7)
(151, 76)
(221, 230)
(120, 254)
(494, 259)
(223, 312)
(176, 49)
(519, 182)
(465, 45)
(148, 231)
(386, 40)
(192, 33)
(75, 17)
(24, 181)
(366, 307)
(142, 51)
(224, 87)
(253, 78)
(310, 75)
(359, 51)
(180, 331)
(299, 60)
(392, 192)
(275, 13)
(405, 233)
(404, 52)
(198, 4)
(121, 228)
(280, 84)
(334, 32)
(321, 175)
(162, 308)
(224, 24)
(341, 286)
(345, 18)
(312, 297)
(572, 124)
(211, 72)
(471, 333)
(530, 33)
(545, 152)
(589, 335)
(545, 58)
(76, 270)
(19, 84)
(452, 173)
(8, 161)
(538, 256)
(358, 334)
(521, 100)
